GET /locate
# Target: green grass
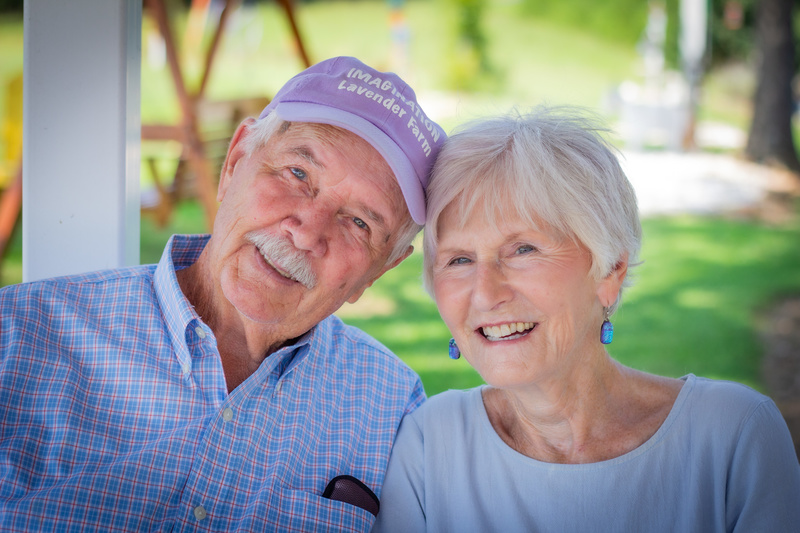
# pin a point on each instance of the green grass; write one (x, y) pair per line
(703, 286)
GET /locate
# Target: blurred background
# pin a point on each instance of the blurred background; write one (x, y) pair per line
(700, 96)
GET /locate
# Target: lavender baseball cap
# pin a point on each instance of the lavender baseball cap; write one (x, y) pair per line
(378, 107)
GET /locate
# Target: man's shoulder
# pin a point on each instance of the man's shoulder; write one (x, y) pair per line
(347, 342)
(336, 333)
(90, 285)
(93, 277)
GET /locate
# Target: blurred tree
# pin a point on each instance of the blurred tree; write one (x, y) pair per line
(617, 20)
(770, 139)
(468, 66)
(470, 29)
(11, 6)
(731, 23)
(732, 29)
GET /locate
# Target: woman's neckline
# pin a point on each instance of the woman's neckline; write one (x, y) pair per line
(689, 382)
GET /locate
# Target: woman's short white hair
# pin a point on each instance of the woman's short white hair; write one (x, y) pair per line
(550, 166)
(262, 130)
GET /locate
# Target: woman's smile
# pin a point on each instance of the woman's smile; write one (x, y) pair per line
(508, 331)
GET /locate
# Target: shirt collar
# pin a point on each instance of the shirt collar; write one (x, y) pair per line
(181, 251)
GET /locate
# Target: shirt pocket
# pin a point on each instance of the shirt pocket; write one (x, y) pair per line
(298, 510)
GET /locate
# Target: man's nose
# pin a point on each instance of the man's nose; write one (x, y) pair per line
(309, 226)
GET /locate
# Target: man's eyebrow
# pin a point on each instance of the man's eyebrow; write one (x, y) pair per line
(377, 218)
(306, 153)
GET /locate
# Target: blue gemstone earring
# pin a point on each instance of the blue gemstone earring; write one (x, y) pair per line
(452, 350)
(607, 329)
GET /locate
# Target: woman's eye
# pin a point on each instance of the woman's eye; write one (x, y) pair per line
(459, 261)
(299, 173)
(525, 249)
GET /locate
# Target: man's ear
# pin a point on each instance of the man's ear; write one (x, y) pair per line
(235, 153)
(608, 288)
(356, 295)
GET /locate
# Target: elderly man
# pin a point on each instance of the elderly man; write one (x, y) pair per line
(214, 391)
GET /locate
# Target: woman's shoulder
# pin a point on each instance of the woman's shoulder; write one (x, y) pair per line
(446, 428)
(448, 409)
(725, 393)
(449, 400)
(727, 405)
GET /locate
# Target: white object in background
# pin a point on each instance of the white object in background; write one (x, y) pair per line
(82, 131)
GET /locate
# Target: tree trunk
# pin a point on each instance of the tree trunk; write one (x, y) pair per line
(770, 140)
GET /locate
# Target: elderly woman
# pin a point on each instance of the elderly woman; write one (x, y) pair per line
(532, 230)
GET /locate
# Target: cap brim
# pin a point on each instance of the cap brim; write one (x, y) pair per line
(403, 170)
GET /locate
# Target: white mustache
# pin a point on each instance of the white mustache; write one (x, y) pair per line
(292, 262)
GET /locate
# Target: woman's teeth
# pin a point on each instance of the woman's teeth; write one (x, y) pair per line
(505, 330)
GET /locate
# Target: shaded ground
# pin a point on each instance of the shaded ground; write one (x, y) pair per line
(781, 363)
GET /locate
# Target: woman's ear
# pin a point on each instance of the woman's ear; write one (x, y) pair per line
(608, 288)
(236, 151)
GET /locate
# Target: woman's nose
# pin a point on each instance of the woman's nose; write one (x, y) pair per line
(491, 287)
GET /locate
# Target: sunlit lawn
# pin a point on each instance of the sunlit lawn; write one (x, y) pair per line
(704, 282)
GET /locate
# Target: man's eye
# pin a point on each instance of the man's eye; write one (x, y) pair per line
(299, 173)
(360, 223)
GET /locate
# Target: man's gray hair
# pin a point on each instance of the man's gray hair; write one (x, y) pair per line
(262, 130)
(551, 166)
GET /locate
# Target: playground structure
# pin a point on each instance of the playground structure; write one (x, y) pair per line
(205, 125)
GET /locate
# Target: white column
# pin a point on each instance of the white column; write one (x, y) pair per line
(693, 36)
(82, 131)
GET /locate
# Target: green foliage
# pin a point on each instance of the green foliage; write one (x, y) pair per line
(188, 218)
(11, 45)
(11, 266)
(731, 23)
(616, 20)
(471, 54)
(11, 6)
(671, 52)
(732, 29)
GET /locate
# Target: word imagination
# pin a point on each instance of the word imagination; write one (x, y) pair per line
(368, 86)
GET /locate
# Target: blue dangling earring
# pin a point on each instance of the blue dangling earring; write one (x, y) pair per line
(607, 329)
(452, 350)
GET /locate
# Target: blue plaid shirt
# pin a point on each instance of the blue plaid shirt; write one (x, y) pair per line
(116, 417)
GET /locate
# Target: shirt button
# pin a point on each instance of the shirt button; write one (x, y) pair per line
(200, 332)
(279, 386)
(227, 414)
(200, 512)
